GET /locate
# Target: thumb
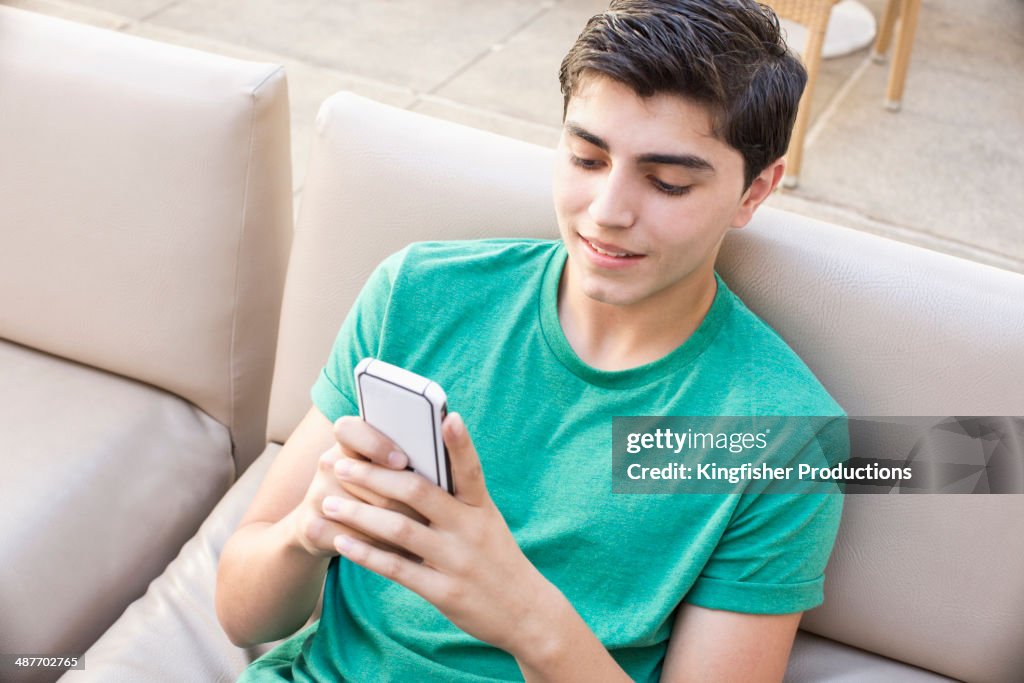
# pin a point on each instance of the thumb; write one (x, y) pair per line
(467, 474)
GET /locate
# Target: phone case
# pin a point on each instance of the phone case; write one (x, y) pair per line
(408, 409)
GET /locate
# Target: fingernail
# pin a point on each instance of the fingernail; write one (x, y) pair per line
(343, 468)
(332, 504)
(458, 427)
(397, 460)
(342, 543)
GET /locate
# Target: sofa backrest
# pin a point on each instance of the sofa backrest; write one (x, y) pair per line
(895, 330)
(932, 580)
(438, 181)
(145, 212)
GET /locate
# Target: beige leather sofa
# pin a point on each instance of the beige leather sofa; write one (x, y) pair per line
(920, 588)
(145, 222)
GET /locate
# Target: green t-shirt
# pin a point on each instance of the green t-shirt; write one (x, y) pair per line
(480, 318)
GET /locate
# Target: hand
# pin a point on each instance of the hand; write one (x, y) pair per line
(472, 569)
(315, 531)
(359, 440)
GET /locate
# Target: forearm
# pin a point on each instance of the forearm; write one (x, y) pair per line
(267, 584)
(559, 646)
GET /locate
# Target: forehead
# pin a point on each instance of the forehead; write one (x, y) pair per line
(663, 123)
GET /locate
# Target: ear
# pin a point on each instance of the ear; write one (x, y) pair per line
(764, 184)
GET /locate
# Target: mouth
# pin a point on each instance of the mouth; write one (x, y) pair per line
(609, 250)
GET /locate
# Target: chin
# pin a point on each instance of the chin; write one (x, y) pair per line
(609, 293)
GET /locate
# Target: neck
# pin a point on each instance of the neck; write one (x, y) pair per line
(610, 337)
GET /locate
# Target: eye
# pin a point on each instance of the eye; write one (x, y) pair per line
(671, 190)
(586, 164)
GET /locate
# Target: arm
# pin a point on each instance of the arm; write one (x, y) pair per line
(272, 568)
(714, 646)
(711, 646)
(563, 647)
(267, 584)
(472, 569)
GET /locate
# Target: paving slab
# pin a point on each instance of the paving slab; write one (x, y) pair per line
(519, 78)
(913, 172)
(408, 43)
(979, 38)
(132, 9)
(71, 12)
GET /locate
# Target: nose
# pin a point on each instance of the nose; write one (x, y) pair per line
(612, 205)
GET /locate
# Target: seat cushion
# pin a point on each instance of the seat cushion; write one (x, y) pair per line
(172, 634)
(820, 660)
(104, 479)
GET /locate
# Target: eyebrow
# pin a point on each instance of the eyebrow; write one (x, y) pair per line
(690, 161)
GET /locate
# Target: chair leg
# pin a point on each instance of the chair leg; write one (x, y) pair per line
(892, 10)
(901, 60)
(795, 154)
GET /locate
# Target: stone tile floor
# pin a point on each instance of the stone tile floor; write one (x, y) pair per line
(946, 172)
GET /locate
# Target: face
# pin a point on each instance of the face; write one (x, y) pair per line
(644, 194)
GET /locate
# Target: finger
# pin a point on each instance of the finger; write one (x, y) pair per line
(318, 531)
(360, 492)
(326, 465)
(321, 533)
(419, 578)
(368, 496)
(359, 439)
(365, 494)
(391, 527)
(467, 472)
(424, 497)
(327, 462)
(316, 534)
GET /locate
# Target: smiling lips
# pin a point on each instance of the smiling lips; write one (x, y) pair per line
(609, 250)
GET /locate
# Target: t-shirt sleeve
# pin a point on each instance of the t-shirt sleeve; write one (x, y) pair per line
(334, 392)
(771, 558)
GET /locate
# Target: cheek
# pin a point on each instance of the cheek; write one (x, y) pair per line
(559, 187)
(570, 192)
(706, 216)
(684, 231)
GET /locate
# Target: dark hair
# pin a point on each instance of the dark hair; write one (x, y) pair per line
(726, 54)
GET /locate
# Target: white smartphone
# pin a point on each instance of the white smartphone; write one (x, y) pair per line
(408, 409)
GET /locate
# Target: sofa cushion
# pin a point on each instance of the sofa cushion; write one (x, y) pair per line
(819, 660)
(104, 478)
(172, 634)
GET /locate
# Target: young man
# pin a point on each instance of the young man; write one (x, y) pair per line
(677, 115)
